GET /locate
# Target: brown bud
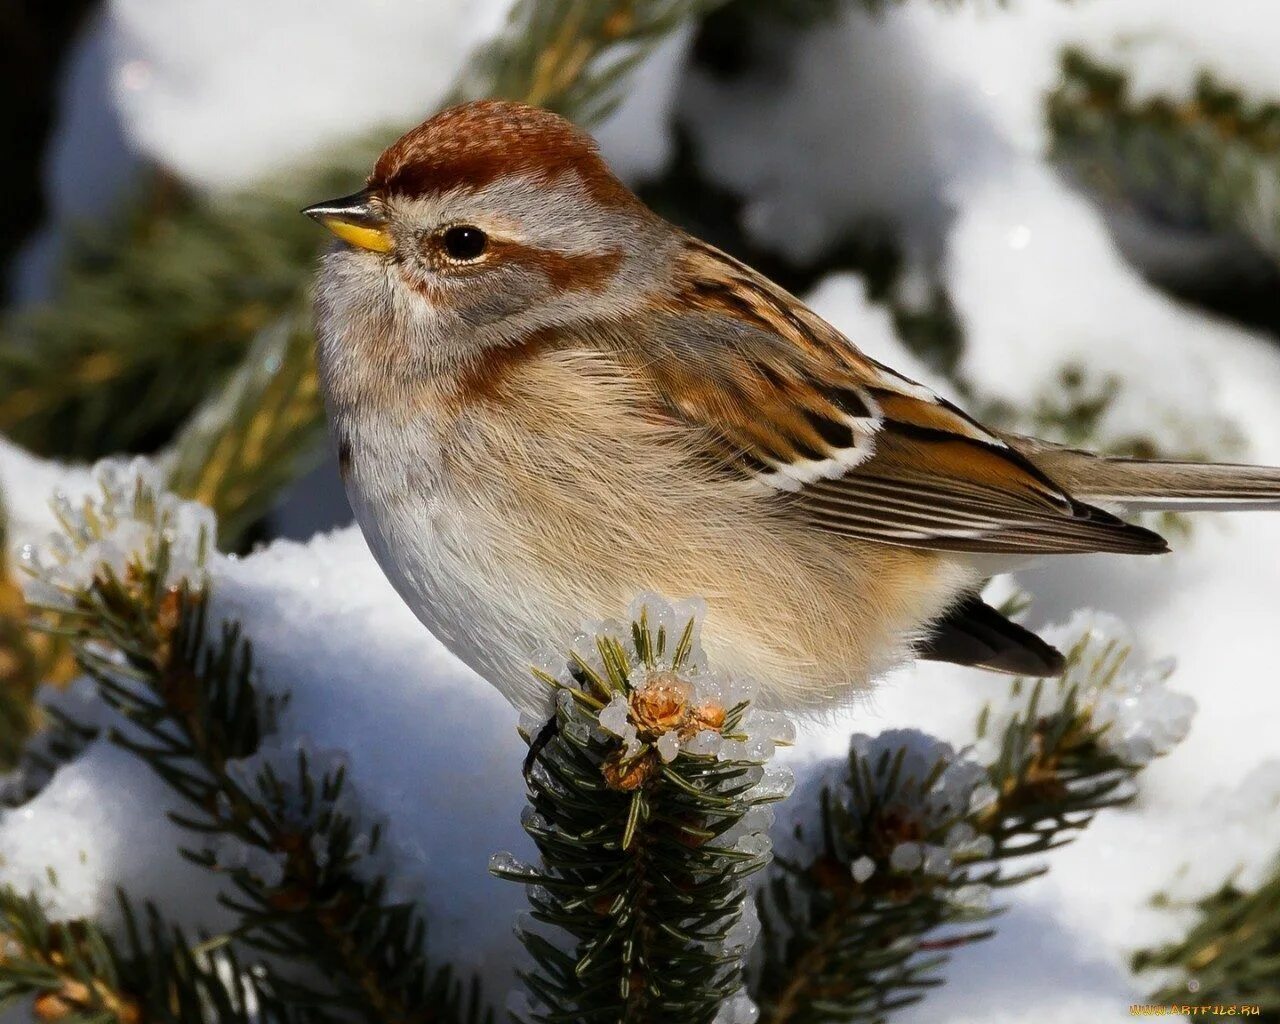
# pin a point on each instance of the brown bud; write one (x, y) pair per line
(51, 1007)
(830, 874)
(661, 705)
(628, 776)
(709, 716)
(169, 611)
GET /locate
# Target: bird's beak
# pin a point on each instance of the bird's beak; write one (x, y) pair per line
(355, 219)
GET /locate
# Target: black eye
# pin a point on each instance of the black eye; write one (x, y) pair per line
(465, 242)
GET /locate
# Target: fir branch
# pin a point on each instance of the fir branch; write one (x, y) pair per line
(1231, 954)
(27, 659)
(646, 809)
(152, 311)
(257, 433)
(912, 839)
(573, 56)
(282, 827)
(74, 972)
(1210, 161)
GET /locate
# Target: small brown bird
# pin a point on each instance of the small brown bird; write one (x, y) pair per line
(546, 399)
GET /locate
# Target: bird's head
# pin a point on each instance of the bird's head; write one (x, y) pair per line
(486, 222)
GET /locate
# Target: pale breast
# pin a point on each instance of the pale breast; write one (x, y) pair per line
(513, 519)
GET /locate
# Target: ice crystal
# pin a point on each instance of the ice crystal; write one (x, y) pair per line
(1124, 697)
(119, 529)
(738, 1009)
(862, 869)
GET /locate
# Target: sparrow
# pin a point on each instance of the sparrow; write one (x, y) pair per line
(546, 400)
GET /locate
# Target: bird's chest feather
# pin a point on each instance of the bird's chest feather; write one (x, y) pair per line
(421, 520)
(531, 511)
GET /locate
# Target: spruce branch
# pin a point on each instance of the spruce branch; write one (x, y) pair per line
(74, 972)
(256, 434)
(34, 736)
(152, 311)
(1211, 161)
(912, 838)
(573, 56)
(649, 810)
(276, 818)
(1230, 956)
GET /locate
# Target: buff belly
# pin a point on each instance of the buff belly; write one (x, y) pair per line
(506, 571)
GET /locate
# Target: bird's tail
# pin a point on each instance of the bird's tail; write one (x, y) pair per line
(1139, 485)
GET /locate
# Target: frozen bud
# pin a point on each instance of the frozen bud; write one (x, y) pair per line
(742, 936)
(776, 783)
(773, 725)
(975, 898)
(964, 841)
(577, 730)
(983, 798)
(862, 869)
(661, 705)
(755, 843)
(738, 1009)
(737, 691)
(530, 725)
(706, 717)
(629, 774)
(120, 530)
(319, 849)
(631, 744)
(506, 863)
(1138, 717)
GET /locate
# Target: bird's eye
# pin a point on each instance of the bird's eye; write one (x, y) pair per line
(464, 243)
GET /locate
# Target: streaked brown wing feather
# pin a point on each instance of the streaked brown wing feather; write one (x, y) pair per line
(857, 449)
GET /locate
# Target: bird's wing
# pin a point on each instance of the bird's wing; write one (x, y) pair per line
(792, 407)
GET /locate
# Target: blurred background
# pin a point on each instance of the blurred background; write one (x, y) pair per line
(1065, 216)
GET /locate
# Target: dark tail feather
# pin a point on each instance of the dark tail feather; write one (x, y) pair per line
(975, 634)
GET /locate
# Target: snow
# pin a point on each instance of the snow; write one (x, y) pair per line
(26, 484)
(190, 77)
(419, 729)
(930, 116)
(126, 516)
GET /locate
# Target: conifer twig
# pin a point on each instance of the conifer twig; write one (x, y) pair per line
(277, 820)
(648, 810)
(913, 838)
(75, 973)
(1230, 956)
(1210, 160)
(256, 434)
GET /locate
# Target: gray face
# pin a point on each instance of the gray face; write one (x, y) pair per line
(471, 269)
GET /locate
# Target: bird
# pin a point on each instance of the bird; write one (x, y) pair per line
(546, 399)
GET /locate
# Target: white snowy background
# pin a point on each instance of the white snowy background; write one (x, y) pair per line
(929, 115)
